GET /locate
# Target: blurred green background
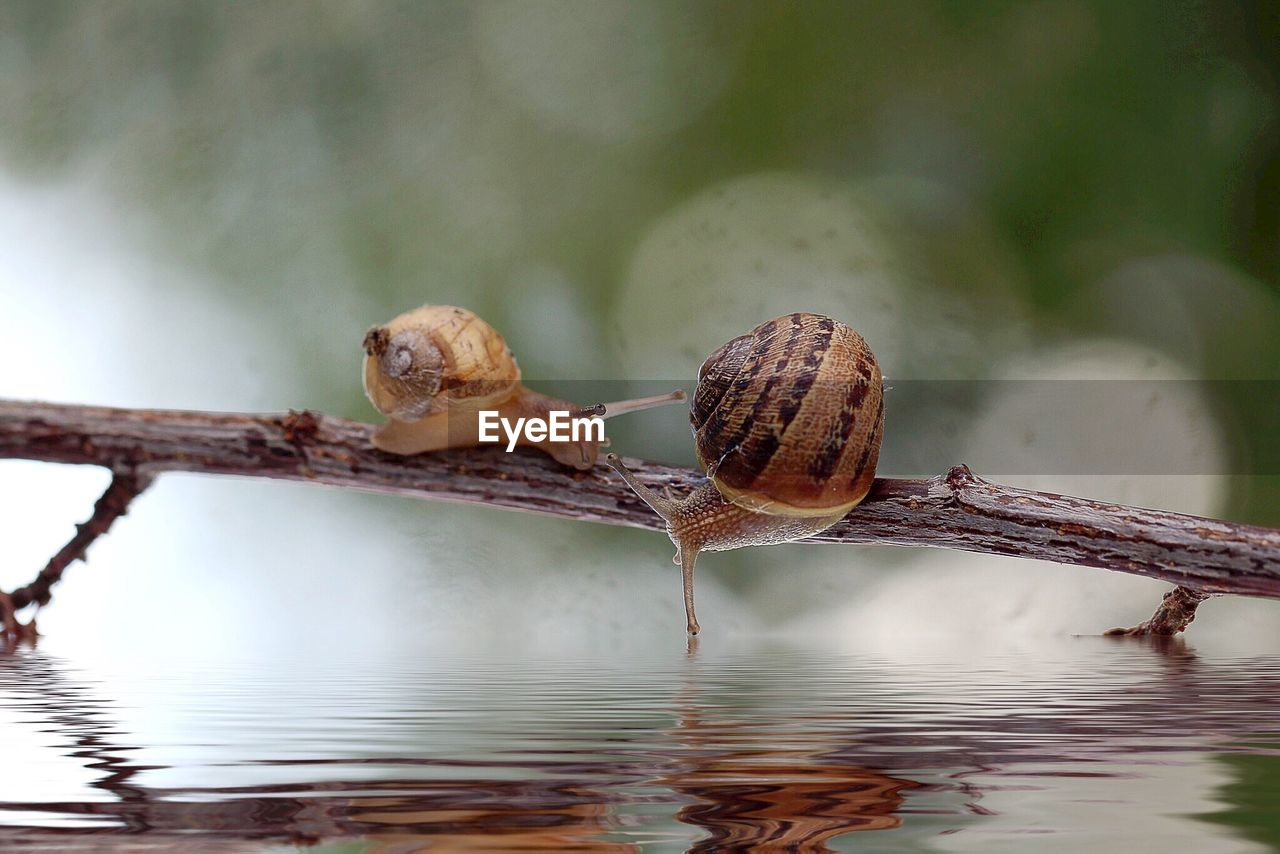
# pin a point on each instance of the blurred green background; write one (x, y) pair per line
(621, 187)
(206, 204)
(986, 191)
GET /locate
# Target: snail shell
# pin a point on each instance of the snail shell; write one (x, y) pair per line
(787, 419)
(434, 369)
(787, 422)
(436, 357)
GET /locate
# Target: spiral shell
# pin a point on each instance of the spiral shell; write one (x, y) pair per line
(437, 357)
(787, 419)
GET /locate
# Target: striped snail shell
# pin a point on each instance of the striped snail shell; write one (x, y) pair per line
(787, 422)
(788, 418)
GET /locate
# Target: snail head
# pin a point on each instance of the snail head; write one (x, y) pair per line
(404, 371)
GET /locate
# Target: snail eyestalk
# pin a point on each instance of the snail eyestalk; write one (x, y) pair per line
(659, 505)
(622, 407)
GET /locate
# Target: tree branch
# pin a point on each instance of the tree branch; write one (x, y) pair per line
(1176, 611)
(957, 510)
(124, 487)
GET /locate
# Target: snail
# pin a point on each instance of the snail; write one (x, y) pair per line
(787, 422)
(432, 370)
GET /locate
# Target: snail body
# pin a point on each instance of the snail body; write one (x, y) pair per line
(787, 423)
(433, 369)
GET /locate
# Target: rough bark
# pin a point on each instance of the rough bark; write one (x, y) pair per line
(1176, 611)
(956, 510)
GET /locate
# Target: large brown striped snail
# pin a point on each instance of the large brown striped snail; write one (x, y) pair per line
(432, 370)
(787, 422)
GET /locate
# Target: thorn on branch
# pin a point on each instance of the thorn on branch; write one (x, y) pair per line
(958, 477)
(110, 506)
(1176, 611)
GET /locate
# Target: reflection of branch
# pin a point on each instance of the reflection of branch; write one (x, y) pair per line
(72, 710)
(957, 510)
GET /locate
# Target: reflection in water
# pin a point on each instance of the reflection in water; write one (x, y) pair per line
(749, 793)
(784, 798)
(763, 749)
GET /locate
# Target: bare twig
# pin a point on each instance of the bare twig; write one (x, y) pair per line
(114, 502)
(124, 487)
(1175, 613)
(11, 631)
(957, 510)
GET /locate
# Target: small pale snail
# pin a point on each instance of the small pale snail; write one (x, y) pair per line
(432, 370)
(787, 422)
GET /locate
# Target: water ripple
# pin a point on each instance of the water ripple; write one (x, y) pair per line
(762, 749)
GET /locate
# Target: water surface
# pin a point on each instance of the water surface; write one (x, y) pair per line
(1084, 743)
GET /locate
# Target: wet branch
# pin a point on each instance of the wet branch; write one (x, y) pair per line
(956, 510)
